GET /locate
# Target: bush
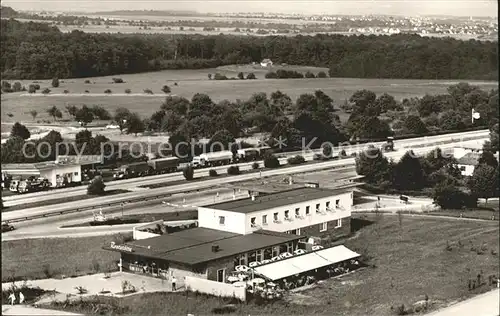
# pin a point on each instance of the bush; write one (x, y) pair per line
(148, 91)
(66, 91)
(322, 74)
(37, 87)
(251, 76)
(188, 173)
(212, 173)
(310, 75)
(107, 91)
(218, 76)
(118, 80)
(166, 89)
(46, 91)
(297, 160)
(96, 186)
(87, 81)
(31, 88)
(271, 162)
(87, 91)
(55, 82)
(233, 170)
(127, 91)
(271, 75)
(255, 165)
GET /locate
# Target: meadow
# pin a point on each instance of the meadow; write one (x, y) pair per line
(409, 258)
(189, 82)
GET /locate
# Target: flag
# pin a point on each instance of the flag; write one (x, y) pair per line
(475, 115)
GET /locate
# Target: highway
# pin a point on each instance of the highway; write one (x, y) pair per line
(193, 186)
(133, 184)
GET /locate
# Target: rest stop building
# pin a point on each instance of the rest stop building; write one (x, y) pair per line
(247, 232)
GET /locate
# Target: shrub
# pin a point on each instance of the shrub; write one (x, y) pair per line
(251, 76)
(166, 89)
(233, 170)
(47, 271)
(117, 80)
(55, 82)
(212, 173)
(148, 91)
(37, 87)
(107, 91)
(218, 76)
(271, 162)
(241, 76)
(87, 91)
(46, 91)
(127, 91)
(87, 81)
(175, 84)
(17, 86)
(31, 88)
(271, 75)
(96, 186)
(296, 160)
(188, 173)
(255, 165)
(322, 74)
(66, 91)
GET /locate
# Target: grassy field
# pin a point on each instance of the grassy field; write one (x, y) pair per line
(409, 259)
(53, 257)
(196, 81)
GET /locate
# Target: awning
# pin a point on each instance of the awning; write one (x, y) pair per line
(299, 264)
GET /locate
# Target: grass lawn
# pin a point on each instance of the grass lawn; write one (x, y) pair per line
(53, 257)
(61, 200)
(196, 81)
(477, 213)
(409, 260)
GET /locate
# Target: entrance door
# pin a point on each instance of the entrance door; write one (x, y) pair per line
(220, 275)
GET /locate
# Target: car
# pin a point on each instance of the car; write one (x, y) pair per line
(7, 228)
(314, 248)
(299, 252)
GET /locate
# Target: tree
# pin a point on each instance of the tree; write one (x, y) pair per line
(17, 86)
(251, 76)
(386, 103)
(493, 144)
(362, 100)
(54, 112)
(221, 140)
(233, 170)
(46, 91)
(55, 82)
(451, 121)
(96, 186)
(372, 164)
(33, 114)
(488, 158)
(281, 101)
(134, 124)
(209, 76)
(166, 89)
(448, 196)
(31, 88)
(241, 76)
(180, 145)
(409, 173)
(100, 113)
(327, 151)
(19, 130)
(414, 125)
(484, 181)
(84, 115)
(176, 104)
(71, 109)
(188, 173)
(121, 117)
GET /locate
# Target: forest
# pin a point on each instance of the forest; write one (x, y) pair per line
(38, 51)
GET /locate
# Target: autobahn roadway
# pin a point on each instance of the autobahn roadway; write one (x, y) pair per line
(131, 184)
(193, 186)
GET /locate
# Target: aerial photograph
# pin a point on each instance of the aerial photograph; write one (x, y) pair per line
(250, 157)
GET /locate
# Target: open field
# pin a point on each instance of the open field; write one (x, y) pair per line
(53, 257)
(196, 81)
(409, 260)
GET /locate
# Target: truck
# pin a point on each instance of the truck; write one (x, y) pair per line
(212, 159)
(163, 165)
(132, 170)
(389, 145)
(33, 185)
(248, 154)
(14, 184)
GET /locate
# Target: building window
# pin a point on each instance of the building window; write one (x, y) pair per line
(243, 260)
(283, 248)
(297, 212)
(287, 214)
(337, 203)
(327, 204)
(290, 247)
(323, 227)
(276, 217)
(222, 220)
(317, 208)
(252, 257)
(268, 253)
(298, 232)
(462, 168)
(259, 255)
(276, 251)
(338, 223)
(264, 219)
(307, 210)
(76, 173)
(252, 221)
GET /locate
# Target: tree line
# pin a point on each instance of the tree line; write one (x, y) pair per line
(37, 51)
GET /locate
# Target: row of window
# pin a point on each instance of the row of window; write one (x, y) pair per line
(263, 254)
(322, 227)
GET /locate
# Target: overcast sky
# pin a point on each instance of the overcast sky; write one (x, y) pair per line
(354, 7)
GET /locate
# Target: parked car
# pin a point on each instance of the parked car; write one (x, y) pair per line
(7, 228)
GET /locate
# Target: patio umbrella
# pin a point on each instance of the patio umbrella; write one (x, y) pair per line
(233, 278)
